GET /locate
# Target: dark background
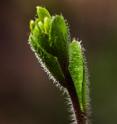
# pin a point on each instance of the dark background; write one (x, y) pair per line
(26, 94)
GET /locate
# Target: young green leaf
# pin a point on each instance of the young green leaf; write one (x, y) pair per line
(76, 68)
(50, 62)
(45, 44)
(59, 36)
(59, 39)
(42, 13)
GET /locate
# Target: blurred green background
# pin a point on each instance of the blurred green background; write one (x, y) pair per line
(26, 94)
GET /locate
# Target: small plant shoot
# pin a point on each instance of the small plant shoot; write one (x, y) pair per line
(61, 58)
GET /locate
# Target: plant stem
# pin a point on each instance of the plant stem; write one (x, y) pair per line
(69, 84)
(80, 116)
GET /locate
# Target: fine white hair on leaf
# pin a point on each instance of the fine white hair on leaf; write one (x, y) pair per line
(88, 105)
(64, 90)
(51, 77)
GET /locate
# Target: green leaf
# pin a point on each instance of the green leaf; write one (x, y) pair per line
(59, 39)
(38, 36)
(58, 36)
(42, 13)
(76, 68)
(52, 65)
(50, 62)
(40, 43)
(47, 24)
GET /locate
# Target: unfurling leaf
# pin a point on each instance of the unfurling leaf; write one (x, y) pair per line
(49, 39)
(76, 67)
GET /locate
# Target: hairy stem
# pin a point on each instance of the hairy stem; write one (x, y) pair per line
(80, 116)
